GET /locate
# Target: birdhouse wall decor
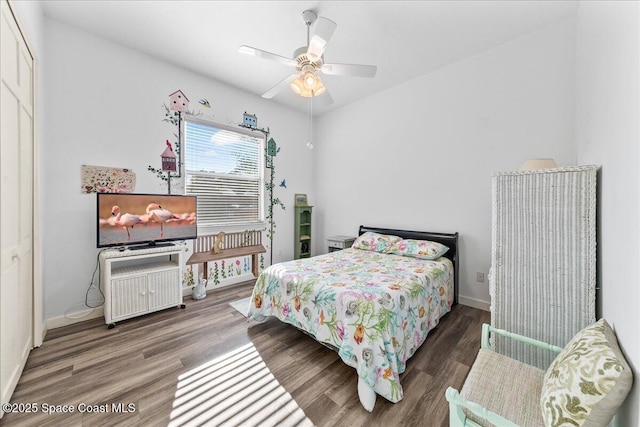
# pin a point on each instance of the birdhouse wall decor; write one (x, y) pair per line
(178, 101)
(250, 120)
(272, 147)
(172, 159)
(169, 159)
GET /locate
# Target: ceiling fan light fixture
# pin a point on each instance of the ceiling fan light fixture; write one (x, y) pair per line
(297, 85)
(309, 61)
(305, 92)
(309, 79)
(319, 88)
(301, 87)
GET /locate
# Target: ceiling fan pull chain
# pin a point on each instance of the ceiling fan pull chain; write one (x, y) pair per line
(309, 141)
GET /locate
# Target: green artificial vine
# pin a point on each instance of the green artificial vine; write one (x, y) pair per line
(273, 201)
(270, 151)
(174, 118)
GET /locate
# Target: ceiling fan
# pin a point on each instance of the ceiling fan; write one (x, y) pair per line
(309, 60)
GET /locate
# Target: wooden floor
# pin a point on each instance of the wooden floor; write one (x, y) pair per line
(139, 362)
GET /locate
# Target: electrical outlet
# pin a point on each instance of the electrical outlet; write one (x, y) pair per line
(480, 277)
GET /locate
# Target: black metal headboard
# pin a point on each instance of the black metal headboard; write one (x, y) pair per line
(448, 239)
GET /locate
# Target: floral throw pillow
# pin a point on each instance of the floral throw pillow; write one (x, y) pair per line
(370, 241)
(587, 381)
(422, 249)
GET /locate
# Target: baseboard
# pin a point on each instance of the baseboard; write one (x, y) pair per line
(45, 329)
(475, 303)
(9, 384)
(76, 317)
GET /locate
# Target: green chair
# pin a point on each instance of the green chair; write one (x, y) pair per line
(584, 385)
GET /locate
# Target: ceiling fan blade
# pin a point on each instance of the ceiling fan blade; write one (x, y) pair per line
(318, 43)
(248, 50)
(350, 70)
(325, 98)
(277, 88)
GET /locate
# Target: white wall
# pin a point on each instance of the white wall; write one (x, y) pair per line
(608, 134)
(104, 107)
(29, 15)
(420, 155)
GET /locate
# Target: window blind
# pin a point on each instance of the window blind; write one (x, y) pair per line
(224, 168)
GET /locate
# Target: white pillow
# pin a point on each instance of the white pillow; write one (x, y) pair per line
(370, 241)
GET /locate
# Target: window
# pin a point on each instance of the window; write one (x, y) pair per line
(224, 168)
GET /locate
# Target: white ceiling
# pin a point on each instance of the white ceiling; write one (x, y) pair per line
(405, 39)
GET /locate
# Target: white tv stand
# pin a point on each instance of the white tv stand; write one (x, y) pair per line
(140, 281)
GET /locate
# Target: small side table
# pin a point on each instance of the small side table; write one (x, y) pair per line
(337, 243)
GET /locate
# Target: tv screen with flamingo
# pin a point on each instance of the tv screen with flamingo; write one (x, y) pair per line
(127, 219)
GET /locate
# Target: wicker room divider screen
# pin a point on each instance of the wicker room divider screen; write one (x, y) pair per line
(543, 263)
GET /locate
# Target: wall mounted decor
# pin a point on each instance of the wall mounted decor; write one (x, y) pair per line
(173, 114)
(270, 151)
(104, 179)
(178, 101)
(169, 159)
(250, 120)
(178, 104)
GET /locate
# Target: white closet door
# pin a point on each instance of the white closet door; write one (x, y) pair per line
(16, 206)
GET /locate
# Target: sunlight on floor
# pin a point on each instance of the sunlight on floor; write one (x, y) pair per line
(236, 389)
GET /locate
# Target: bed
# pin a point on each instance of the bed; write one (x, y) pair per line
(373, 303)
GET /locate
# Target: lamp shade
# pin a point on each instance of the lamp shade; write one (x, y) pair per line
(308, 85)
(534, 164)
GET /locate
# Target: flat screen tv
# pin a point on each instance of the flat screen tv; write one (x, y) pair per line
(128, 219)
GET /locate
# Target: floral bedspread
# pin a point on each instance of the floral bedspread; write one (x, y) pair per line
(376, 308)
